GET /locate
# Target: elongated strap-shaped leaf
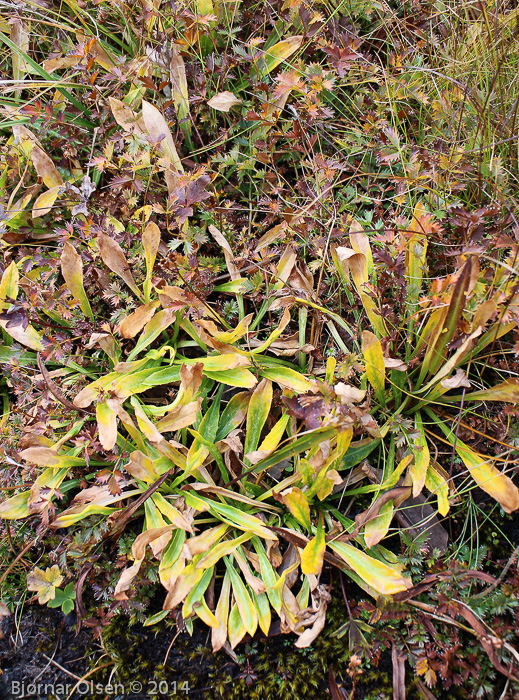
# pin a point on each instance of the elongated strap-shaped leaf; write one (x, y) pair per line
(72, 271)
(9, 285)
(289, 379)
(275, 55)
(239, 377)
(196, 593)
(241, 520)
(436, 353)
(300, 444)
(312, 556)
(28, 336)
(207, 429)
(507, 391)
(219, 634)
(484, 473)
(220, 550)
(438, 486)
(381, 577)
(243, 600)
(377, 528)
(115, 259)
(237, 629)
(45, 202)
(374, 362)
(162, 320)
(418, 469)
(158, 129)
(16, 507)
(259, 409)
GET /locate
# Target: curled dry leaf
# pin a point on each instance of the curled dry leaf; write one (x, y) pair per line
(45, 168)
(223, 101)
(115, 259)
(135, 322)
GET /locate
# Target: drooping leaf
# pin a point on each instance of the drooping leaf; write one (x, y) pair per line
(158, 129)
(312, 556)
(72, 271)
(114, 258)
(384, 578)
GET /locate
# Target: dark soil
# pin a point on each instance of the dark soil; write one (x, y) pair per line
(137, 662)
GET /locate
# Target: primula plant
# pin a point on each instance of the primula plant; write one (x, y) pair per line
(259, 313)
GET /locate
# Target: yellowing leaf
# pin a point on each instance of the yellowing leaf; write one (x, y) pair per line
(45, 201)
(150, 242)
(259, 409)
(296, 502)
(275, 55)
(382, 577)
(15, 507)
(179, 93)
(239, 377)
(106, 415)
(9, 285)
(72, 271)
(504, 391)
(115, 259)
(237, 630)
(153, 329)
(219, 634)
(377, 528)
(243, 601)
(158, 129)
(438, 487)
(223, 101)
(312, 556)
(28, 337)
(289, 379)
(374, 361)
(418, 469)
(45, 168)
(44, 582)
(489, 478)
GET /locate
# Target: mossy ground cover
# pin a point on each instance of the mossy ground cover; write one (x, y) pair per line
(259, 315)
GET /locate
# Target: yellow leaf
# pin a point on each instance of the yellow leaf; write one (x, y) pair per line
(15, 507)
(151, 242)
(28, 337)
(259, 409)
(72, 271)
(177, 73)
(377, 528)
(9, 285)
(374, 361)
(106, 415)
(157, 127)
(275, 55)
(295, 501)
(45, 201)
(418, 470)
(237, 629)
(438, 487)
(219, 634)
(153, 329)
(45, 168)
(312, 556)
(489, 478)
(380, 576)
(289, 379)
(44, 582)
